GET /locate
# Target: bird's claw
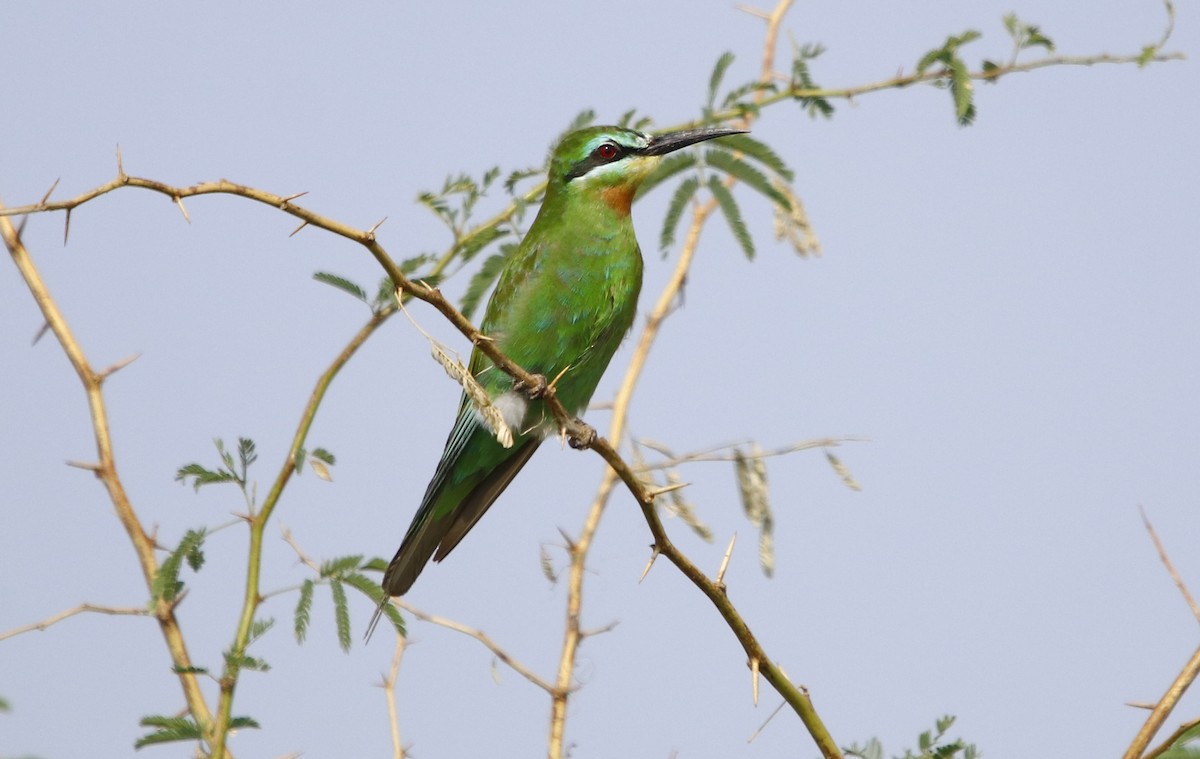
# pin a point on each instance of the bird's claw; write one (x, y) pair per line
(535, 389)
(583, 436)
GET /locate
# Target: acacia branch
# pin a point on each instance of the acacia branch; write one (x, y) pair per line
(254, 597)
(1186, 676)
(53, 619)
(499, 652)
(715, 590)
(389, 688)
(571, 427)
(106, 470)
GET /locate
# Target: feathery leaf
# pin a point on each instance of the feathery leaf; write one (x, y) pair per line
(340, 565)
(683, 194)
(167, 585)
(733, 215)
(341, 613)
(169, 729)
(714, 81)
(759, 151)
(484, 279)
(343, 284)
(303, 614)
(480, 240)
(667, 168)
(323, 455)
(752, 177)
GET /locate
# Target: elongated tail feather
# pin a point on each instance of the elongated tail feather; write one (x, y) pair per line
(443, 534)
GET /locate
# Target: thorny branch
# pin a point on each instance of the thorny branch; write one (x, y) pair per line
(715, 590)
(134, 611)
(106, 470)
(1187, 675)
(573, 428)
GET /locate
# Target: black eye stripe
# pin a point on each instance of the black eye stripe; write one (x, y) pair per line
(594, 159)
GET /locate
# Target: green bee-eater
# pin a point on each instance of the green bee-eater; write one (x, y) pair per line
(562, 305)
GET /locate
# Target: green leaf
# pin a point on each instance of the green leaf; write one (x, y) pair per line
(667, 168)
(376, 564)
(1035, 38)
(385, 295)
(340, 565)
(510, 184)
(947, 52)
(193, 549)
(245, 661)
(736, 94)
(714, 81)
(323, 455)
(802, 81)
(480, 240)
(258, 628)
(733, 215)
(751, 470)
(341, 283)
(240, 722)
(1147, 54)
(991, 70)
(1012, 24)
(1025, 35)
(734, 166)
(1189, 735)
(304, 610)
(582, 119)
(630, 120)
(759, 151)
(190, 670)
(341, 613)
(393, 614)
(246, 454)
(201, 476)
(409, 265)
(963, 91)
(483, 279)
(167, 585)
(170, 729)
(683, 193)
(364, 585)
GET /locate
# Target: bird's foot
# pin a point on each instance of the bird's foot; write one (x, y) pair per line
(582, 436)
(536, 389)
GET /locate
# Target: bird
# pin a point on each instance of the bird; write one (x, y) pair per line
(561, 306)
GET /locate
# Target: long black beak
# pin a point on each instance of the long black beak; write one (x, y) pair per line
(672, 141)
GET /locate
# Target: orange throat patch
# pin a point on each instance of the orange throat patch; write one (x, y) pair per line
(619, 198)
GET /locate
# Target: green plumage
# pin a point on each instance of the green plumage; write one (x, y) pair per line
(561, 306)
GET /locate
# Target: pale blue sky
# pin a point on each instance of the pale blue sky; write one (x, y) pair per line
(1010, 313)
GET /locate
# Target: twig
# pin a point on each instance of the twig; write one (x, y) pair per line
(720, 578)
(305, 559)
(389, 689)
(1162, 709)
(1170, 741)
(80, 609)
(106, 471)
(1166, 560)
(715, 453)
(482, 637)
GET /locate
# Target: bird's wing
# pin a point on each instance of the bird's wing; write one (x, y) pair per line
(471, 474)
(483, 495)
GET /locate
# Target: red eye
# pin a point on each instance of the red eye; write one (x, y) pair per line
(607, 151)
